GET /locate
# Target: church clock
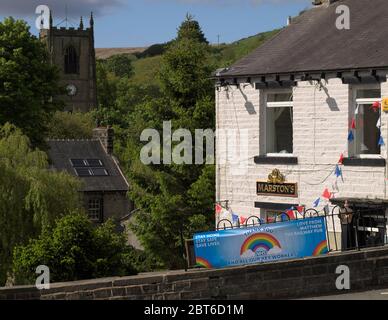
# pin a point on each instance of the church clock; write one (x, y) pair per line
(71, 90)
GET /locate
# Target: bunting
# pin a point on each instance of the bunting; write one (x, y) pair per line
(350, 136)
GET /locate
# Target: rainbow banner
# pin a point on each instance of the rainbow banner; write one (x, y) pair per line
(265, 243)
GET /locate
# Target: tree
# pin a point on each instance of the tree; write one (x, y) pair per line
(106, 86)
(191, 30)
(174, 199)
(28, 82)
(31, 197)
(120, 65)
(74, 250)
(66, 125)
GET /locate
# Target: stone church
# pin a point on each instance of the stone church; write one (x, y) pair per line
(104, 186)
(72, 50)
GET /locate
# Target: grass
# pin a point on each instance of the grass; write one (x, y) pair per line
(224, 55)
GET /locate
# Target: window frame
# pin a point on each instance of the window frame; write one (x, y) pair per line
(278, 104)
(358, 102)
(70, 66)
(100, 209)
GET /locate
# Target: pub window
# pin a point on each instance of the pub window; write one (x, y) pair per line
(367, 119)
(71, 60)
(95, 209)
(279, 121)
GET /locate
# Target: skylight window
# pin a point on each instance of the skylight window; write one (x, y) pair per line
(89, 167)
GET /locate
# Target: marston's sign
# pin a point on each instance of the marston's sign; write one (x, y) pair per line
(275, 186)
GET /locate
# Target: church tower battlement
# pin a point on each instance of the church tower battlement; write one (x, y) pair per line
(72, 51)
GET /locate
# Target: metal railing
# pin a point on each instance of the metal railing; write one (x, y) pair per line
(351, 228)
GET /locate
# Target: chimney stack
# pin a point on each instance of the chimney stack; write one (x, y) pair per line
(323, 2)
(106, 137)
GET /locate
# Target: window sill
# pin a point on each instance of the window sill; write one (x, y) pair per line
(291, 160)
(364, 162)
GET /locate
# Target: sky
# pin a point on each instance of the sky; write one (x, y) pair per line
(140, 23)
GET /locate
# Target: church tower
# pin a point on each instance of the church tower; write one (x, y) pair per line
(72, 51)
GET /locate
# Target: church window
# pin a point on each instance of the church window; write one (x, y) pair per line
(71, 61)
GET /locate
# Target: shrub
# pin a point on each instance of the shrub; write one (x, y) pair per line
(74, 250)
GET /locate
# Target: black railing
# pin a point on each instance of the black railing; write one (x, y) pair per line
(349, 228)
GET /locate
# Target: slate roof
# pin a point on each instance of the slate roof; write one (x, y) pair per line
(61, 151)
(313, 43)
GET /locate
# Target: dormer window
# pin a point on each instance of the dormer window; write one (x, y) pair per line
(71, 61)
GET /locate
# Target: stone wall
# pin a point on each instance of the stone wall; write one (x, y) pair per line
(288, 279)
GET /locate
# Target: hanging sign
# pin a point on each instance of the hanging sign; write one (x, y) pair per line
(384, 104)
(276, 186)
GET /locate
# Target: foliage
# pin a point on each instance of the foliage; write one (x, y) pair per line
(224, 55)
(31, 197)
(106, 86)
(167, 195)
(120, 65)
(146, 70)
(27, 81)
(75, 125)
(152, 51)
(191, 30)
(75, 250)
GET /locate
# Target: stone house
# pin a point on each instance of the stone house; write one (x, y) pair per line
(105, 187)
(310, 100)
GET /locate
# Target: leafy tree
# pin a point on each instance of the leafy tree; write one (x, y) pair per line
(120, 65)
(66, 125)
(191, 30)
(27, 80)
(174, 198)
(106, 86)
(31, 197)
(74, 250)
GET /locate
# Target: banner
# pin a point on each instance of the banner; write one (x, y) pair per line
(265, 243)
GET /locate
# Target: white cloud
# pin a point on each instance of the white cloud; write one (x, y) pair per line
(274, 250)
(248, 254)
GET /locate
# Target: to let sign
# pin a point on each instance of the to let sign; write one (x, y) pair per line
(276, 186)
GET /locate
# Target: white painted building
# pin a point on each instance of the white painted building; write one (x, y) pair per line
(295, 98)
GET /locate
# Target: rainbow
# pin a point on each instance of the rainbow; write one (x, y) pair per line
(259, 240)
(321, 249)
(201, 262)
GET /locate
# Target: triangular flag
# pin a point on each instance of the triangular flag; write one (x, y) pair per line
(350, 136)
(376, 106)
(357, 109)
(353, 125)
(300, 209)
(341, 159)
(290, 214)
(338, 171)
(234, 218)
(378, 125)
(218, 208)
(326, 194)
(284, 217)
(243, 220)
(316, 202)
(381, 141)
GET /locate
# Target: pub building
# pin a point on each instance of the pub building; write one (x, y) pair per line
(312, 100)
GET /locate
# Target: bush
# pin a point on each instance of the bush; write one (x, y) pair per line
(66, 125)
(74, 250)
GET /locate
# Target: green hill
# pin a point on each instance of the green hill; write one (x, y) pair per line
(146, 65)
